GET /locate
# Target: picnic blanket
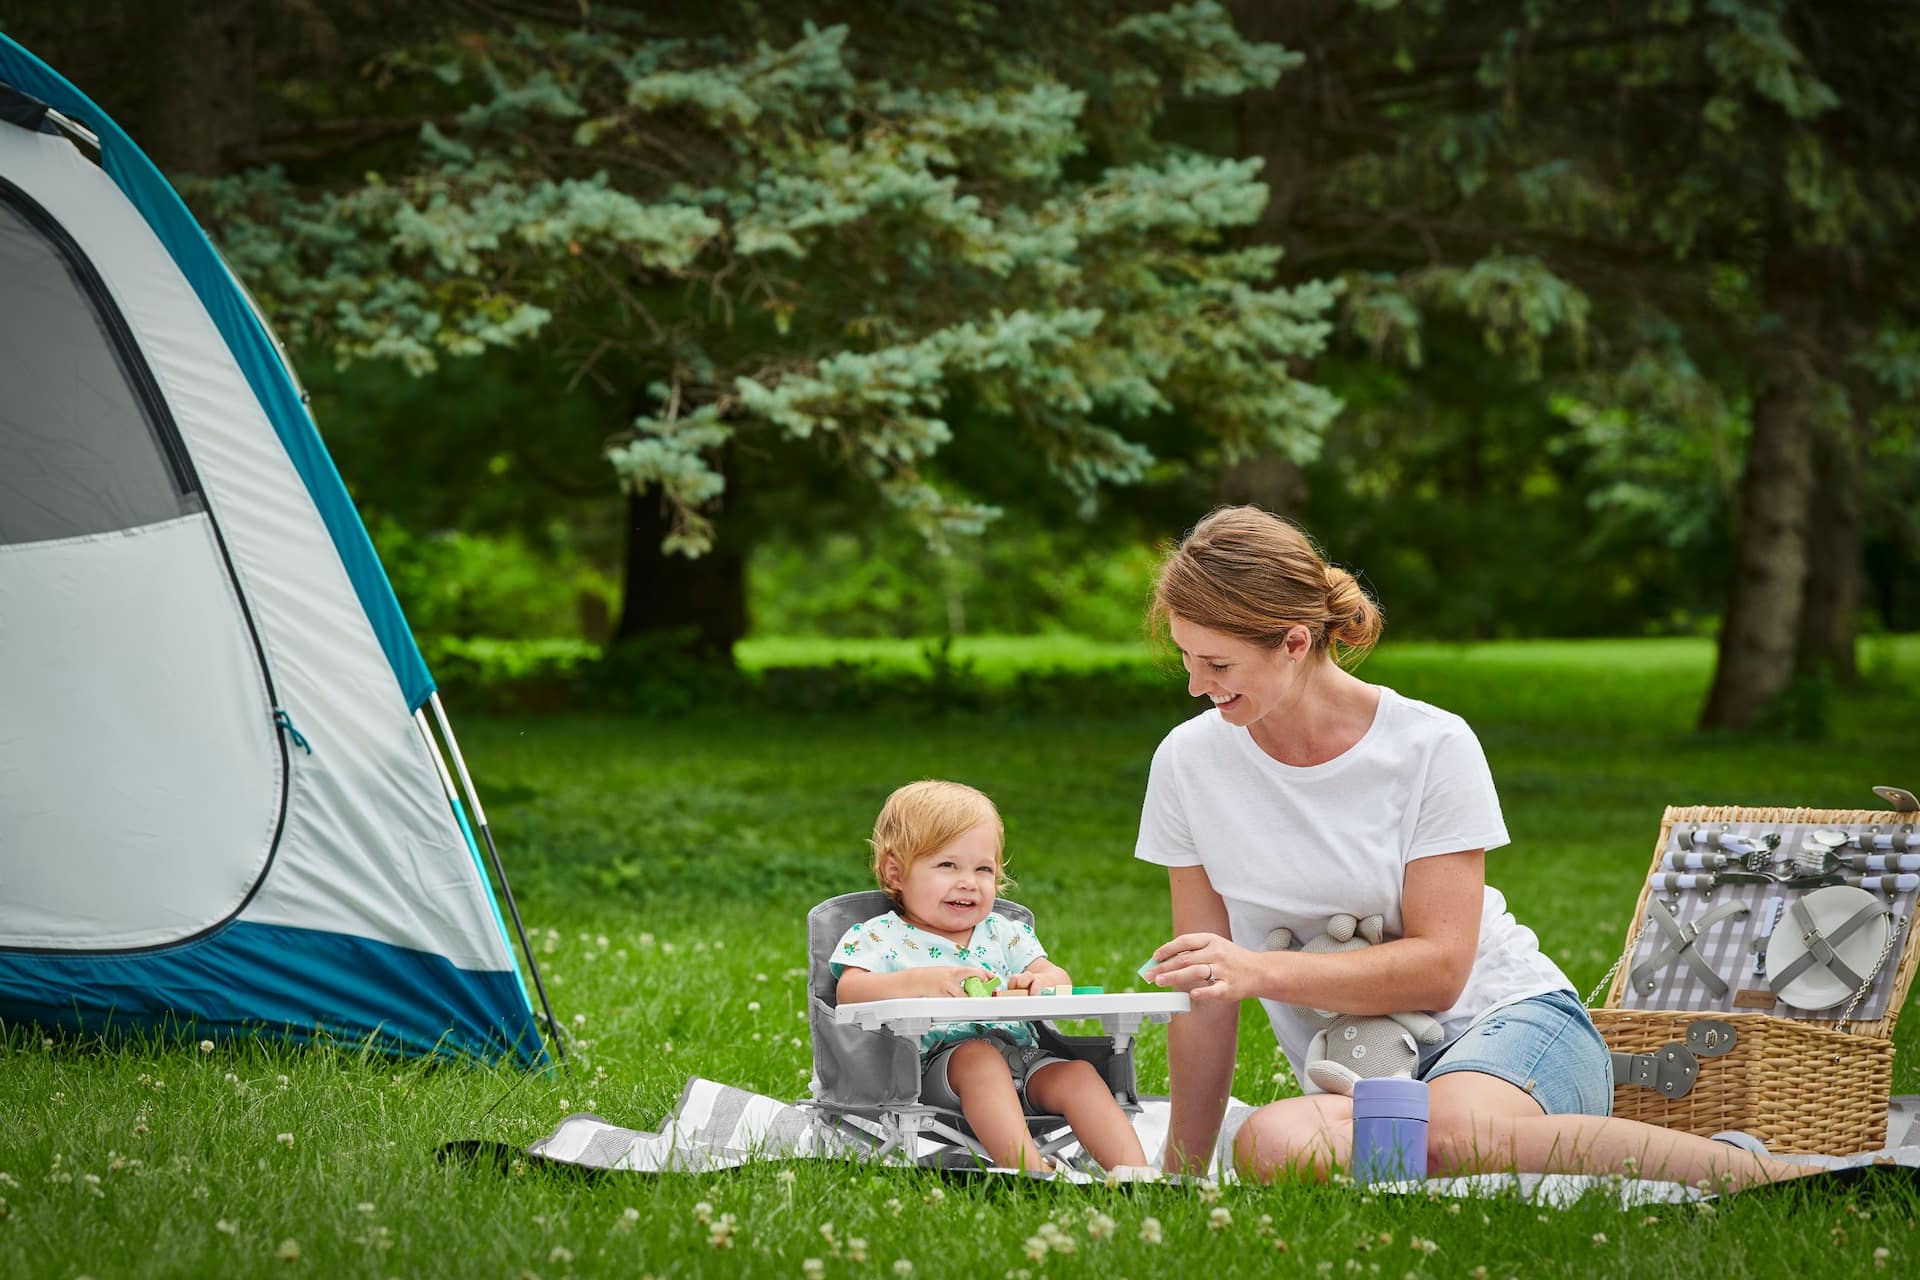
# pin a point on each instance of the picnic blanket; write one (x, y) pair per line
(716, 1126)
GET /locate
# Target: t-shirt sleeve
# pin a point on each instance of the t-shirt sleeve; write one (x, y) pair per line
(860, 948)
(1459, 808)
(1165, 838)
(1022, 946)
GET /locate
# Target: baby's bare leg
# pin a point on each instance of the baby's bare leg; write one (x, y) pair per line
(984, 1084)
(1076, 1091)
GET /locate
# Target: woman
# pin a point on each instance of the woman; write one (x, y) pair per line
(1305, 792)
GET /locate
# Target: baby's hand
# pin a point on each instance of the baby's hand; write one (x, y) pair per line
(1021, 982)
(945, 979)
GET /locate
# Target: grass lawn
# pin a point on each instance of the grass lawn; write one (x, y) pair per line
(666, 867)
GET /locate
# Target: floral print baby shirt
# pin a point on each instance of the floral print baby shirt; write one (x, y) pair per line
(888, 944)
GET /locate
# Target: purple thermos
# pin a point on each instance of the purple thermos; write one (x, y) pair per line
(1389, 1130)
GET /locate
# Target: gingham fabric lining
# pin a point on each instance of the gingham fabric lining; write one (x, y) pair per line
(1728, 947)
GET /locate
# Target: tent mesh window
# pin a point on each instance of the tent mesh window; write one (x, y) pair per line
(85, 444)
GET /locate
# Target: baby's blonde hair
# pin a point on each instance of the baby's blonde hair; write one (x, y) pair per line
(925, 816)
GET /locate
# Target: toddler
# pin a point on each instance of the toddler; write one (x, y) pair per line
(937, 850)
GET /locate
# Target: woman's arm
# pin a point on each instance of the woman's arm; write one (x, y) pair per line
(856, 984)
(1426, 969)
(1200, 1043)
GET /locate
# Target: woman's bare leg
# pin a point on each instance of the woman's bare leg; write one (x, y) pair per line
(1305, 1137)
(1479, 1123)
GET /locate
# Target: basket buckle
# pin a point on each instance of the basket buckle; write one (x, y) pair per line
(1670, 1070)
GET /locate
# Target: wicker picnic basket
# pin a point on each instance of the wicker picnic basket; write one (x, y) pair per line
(1802, 1084)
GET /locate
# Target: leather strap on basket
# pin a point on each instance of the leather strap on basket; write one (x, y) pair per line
(1680, 939)
(1820, 947)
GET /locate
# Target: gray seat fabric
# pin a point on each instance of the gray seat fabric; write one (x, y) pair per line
(877, 1074)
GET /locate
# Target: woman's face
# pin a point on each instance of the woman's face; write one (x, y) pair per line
(1246, 681)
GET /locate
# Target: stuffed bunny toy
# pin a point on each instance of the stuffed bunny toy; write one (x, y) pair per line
(1353, 1047)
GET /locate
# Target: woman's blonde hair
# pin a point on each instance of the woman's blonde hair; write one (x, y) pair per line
(925, 816)
(1254, 576)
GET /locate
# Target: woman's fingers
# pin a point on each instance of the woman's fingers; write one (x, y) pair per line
(1185, 942)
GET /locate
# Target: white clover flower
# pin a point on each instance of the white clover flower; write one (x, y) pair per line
(289, 1251)
(753, 1006)
(720, 1235)
(284, 1139)
(559, 1253)
(206, 1046)
(365, 1206)
(1035, 1248)
(703, 1212)
(935, 1196)
(1880, 1257)
(785, 1178)
(856, 1249)
(1150, 1230)
(1100, 1227)
(1220, 1219)
(813, 1268)
(226, 1228)
(893, 1206)
(902, 1267)
(1599, 1237)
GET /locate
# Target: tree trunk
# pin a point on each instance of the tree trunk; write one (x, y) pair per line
(1830, 604)
(705, 597)
(1755, 661)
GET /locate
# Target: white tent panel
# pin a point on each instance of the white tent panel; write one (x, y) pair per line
(366, 818)
(139, 777)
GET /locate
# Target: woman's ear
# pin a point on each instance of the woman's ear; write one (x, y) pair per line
(1298, 643)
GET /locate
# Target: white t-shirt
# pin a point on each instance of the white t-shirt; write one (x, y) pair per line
(1294, 846)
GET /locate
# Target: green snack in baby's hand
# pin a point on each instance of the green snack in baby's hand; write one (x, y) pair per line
(983, 985)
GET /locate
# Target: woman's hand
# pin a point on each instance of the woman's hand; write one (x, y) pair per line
(1209, 968)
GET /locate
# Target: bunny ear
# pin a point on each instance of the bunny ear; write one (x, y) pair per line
(1341, 927)
(1374, 929)
(1280, 939)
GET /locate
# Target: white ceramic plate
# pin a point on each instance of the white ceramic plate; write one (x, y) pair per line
(1831, 907)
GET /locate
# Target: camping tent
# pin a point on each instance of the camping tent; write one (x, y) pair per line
(221, 801)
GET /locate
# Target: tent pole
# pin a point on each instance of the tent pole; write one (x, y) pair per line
(506, 890)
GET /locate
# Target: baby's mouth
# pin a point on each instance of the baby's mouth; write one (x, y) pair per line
(963, 904)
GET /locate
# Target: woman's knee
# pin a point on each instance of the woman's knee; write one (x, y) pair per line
(1291, 1134)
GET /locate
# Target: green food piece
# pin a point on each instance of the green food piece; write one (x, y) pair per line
(981, 986)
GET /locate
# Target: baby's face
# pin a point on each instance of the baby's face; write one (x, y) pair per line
(951, 889)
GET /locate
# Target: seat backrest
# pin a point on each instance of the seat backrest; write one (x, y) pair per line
(853, 1067)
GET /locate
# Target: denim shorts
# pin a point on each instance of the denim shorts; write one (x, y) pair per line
(1545, 1045)
(1023, 1060)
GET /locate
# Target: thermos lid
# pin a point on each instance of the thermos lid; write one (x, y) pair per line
(1390, 1096)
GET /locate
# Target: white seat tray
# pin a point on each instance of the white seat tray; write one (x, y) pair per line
(1120, 1013)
